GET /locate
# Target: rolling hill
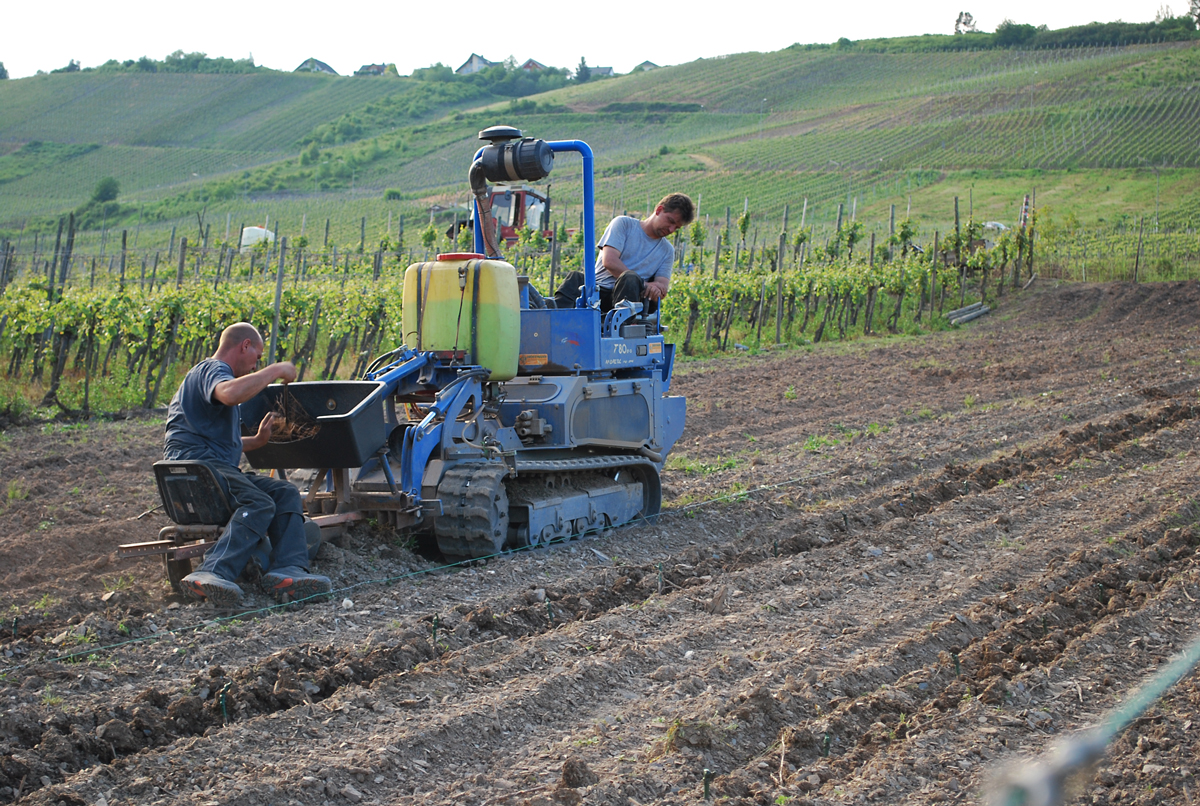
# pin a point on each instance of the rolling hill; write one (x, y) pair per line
(855, 125)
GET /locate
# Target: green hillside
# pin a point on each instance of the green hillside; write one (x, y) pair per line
(264, 111)
(1113, 127)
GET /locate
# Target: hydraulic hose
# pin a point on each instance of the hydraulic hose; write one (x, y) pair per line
(483, 202)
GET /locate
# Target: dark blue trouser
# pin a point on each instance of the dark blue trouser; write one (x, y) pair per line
(267, 526)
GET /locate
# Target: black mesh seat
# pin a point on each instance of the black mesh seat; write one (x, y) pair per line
(193, 493)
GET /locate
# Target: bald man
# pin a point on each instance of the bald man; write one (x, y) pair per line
(265, 536)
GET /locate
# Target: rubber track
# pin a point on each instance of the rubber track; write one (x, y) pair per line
(474, 521)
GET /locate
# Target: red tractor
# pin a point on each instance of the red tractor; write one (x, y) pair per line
(515, 207)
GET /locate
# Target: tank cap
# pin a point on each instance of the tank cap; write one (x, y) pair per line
(459, 256)
(500, 134)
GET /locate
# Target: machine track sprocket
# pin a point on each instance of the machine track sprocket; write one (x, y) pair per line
(474, 519)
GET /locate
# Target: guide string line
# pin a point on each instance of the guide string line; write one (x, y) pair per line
(95, 650)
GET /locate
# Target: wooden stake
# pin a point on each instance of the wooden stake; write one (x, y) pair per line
(179, 271)
(278, 297)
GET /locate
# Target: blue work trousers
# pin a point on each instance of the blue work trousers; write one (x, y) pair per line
(267, 526)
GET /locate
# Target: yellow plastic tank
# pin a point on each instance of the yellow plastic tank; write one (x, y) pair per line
(463, 301)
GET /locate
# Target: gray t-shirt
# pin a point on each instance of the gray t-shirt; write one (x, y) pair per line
(645, 256)
(198, 427)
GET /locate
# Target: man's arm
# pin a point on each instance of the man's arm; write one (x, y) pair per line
(657, 288)
(610, 258)
(239, 390)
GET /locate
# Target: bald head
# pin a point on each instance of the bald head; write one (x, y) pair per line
(240, 347)
(235, 334)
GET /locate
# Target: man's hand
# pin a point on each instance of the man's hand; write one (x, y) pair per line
(655, 290)
(259, 440)
(285, 371)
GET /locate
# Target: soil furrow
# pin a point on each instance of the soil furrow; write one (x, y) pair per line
(928, 556)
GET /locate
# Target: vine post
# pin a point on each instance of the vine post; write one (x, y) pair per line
(182, 254)
(278, 298)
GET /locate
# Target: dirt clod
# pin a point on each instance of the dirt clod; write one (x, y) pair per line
(576, 774)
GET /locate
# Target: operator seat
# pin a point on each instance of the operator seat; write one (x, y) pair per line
(195, 496)
(193, 492)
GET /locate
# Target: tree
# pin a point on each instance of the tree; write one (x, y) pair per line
(965, 24)
(3, 72)
(1009, 34)
(582, 73)
(106, 190)
(1193, 12)
(72, 67)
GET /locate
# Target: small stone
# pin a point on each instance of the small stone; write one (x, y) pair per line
(663, 673)
(1151, 769)
(351, 794)
(540, 595)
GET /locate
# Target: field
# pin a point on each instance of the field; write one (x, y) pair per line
(885, 569)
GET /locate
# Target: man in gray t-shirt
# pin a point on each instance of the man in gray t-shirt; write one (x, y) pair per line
(267, 526)
(635, 257)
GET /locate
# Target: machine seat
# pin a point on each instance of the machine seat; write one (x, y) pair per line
(193, 492)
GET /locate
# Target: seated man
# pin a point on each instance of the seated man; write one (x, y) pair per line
(266, 531)
(635, 258)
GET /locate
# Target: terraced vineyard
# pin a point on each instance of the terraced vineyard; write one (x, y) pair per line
(149, 173)
(252, 111)
(775, 127)
(931, 558)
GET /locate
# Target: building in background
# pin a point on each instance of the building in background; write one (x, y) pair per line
(474, 65)
(311, 65)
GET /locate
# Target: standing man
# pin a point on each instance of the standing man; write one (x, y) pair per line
(635, 258)
(266, 531)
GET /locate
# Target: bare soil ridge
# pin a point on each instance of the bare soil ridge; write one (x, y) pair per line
(931, 557)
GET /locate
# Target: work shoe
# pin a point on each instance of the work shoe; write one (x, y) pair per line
(292, 584)
(206, 586)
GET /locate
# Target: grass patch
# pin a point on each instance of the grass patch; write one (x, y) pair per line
(817, 441)
(44, 604)
(121, 582)
(686, 464)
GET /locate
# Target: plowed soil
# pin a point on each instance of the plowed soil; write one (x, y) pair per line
(885, 570)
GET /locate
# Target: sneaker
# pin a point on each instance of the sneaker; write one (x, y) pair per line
(293, 584)
(207, 586)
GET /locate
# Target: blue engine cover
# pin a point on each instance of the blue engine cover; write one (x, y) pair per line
(577, 411)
